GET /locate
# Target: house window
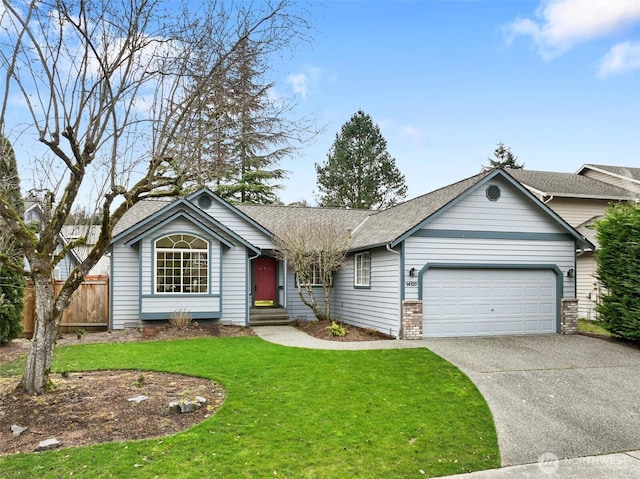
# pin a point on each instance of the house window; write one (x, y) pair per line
(315, 277)
(182, 264)
(362, 273)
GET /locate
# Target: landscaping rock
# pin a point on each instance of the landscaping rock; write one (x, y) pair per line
(184, 406)
(17, 430)
(190, 406)
(138, 399)
(48, 444)
(201, 400)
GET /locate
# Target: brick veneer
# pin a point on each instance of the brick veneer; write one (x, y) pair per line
(569, 316)
(411, 319)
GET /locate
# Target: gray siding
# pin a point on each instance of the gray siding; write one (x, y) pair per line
(377, 307)
(512, 212)
(240, 226)
(295, 307)
(125, 284)
(235, 286)
(133, 266)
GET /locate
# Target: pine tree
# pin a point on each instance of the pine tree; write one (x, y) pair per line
(241, 132)
(504, 158)
(359, 171)
(11, 280)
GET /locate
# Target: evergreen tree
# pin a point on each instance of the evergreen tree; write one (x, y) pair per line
(504, 158)
(618, 270)
(359, 171)
(241, 132)
(11, 280)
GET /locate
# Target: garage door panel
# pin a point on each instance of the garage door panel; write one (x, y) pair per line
(483, 302)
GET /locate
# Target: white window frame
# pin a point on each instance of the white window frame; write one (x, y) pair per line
(316, 277)
(189, 275)
(362, 269)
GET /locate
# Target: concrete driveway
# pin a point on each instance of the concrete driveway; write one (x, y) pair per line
(566, 396)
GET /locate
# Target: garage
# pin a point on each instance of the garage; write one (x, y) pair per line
(489, 301)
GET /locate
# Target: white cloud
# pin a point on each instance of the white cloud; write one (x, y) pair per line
(622, 58)
(562, 24)
(416, 135)
(299, 82)
(306, 80)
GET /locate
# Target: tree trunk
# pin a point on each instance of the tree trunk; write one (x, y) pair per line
(36, 375)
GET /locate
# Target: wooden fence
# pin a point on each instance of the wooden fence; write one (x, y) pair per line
(88, 310)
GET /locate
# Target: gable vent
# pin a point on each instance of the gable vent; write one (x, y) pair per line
(204, 202)
(493, 192)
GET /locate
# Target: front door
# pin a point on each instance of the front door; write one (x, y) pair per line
(264, 277)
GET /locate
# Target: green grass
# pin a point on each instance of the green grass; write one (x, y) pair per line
(592, 327)
(290, 413)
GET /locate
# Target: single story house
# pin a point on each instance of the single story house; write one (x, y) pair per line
(483, 256)
(579, 200)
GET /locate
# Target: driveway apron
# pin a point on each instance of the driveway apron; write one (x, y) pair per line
(551, 395)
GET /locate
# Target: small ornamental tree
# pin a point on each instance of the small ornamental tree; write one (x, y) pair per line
(11, 279)
(504, 158)
(618, 269)
(315, 251)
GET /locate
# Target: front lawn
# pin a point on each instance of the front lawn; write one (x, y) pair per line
(290, 413)
(595, 327)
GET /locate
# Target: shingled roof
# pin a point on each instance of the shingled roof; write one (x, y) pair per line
(388, 225)
(274, 217)
(369, 228)
(549, 183)
(621, 171)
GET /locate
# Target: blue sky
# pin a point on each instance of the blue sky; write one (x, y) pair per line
(558, 82)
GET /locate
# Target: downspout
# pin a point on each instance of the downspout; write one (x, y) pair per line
(249, 285)
(401, 268)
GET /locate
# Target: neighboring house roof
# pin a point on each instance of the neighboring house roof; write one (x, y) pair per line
(34, 205)
(549, 184)
(624, 172)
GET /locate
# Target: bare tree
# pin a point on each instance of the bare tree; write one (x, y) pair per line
(315, 251)
(103, 88)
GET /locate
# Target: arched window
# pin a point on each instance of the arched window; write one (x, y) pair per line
(182, 264)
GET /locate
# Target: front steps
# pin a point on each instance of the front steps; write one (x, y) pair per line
(268, 317)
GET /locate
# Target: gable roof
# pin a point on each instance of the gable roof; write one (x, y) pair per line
(181, 208)
(369, 228)
(548, 184)
(386, 226)
(623, 172)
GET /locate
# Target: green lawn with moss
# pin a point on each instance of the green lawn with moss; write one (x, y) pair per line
(290, 413)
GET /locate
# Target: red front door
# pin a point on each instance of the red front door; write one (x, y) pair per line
(264, 277)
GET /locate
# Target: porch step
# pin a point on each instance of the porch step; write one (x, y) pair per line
(268, 317)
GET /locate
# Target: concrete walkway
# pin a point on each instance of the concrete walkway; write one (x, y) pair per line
(539, 390)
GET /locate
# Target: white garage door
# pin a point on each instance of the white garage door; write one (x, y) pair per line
(488, 302)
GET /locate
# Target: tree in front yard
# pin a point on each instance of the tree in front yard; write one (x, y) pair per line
(102, 94)
(359, 172)
(314, 251)
(618, 269)
(11, 260)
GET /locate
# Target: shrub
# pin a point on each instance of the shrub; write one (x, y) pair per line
(618, 235)
(336, 329)
(180, 318)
